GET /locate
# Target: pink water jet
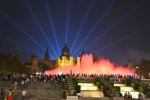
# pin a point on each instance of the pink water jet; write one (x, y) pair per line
(101, 66)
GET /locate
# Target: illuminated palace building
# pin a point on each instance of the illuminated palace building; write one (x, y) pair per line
(64, 60)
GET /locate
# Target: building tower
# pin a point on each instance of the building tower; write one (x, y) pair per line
(46, 57)
(34, 63)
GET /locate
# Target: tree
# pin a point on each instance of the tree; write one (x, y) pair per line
(144, 67)
(12, 63)
(43, 67)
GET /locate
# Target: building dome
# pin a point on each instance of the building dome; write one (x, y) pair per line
(65, 51)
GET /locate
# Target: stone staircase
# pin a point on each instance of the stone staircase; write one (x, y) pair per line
(112, 90)
(41, 91)
(85, 80)
(103, 98)
(70, 91)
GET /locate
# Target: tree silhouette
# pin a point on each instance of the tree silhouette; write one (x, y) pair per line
(12, 63)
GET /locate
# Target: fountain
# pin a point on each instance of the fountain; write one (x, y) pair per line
(88, 66)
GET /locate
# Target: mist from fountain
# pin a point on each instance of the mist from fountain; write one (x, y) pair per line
(88, 66)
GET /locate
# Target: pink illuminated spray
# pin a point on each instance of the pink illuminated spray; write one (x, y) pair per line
(102, 66)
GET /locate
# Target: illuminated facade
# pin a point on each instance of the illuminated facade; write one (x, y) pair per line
(64, 60)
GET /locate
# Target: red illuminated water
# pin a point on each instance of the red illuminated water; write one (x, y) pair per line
(102, 66)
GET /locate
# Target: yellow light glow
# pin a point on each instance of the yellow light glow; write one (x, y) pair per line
(63, 62)
(86, 84)
(119, 85)
(126, 89)
(89, 88)
(92, 94)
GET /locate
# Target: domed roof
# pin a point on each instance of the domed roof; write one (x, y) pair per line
(65, 51)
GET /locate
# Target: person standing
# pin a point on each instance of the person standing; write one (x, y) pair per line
(129, 96)
(23, 94)
(140, 96)
(10, 92)
(2, 94)
(15, 85)
(126, 96)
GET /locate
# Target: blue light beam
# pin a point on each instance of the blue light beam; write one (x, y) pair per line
(82, 24)
(52, 57)
(52, 25)
(39, 25)
(94, 27)
(22, 30)
(124, 38)
(21, 45)
(114, 24)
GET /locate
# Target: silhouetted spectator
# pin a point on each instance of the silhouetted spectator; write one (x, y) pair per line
(23, 94)
(2, 94)
(126, 96)
(10, 92)
(129, 96)
(140, 96)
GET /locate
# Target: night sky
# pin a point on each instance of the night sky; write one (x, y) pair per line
(116, 29)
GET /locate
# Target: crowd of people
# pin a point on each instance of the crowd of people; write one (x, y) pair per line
(21, 81)
(51, 78)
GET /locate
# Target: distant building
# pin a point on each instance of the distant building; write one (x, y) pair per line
(32, 63)
(64, 60)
